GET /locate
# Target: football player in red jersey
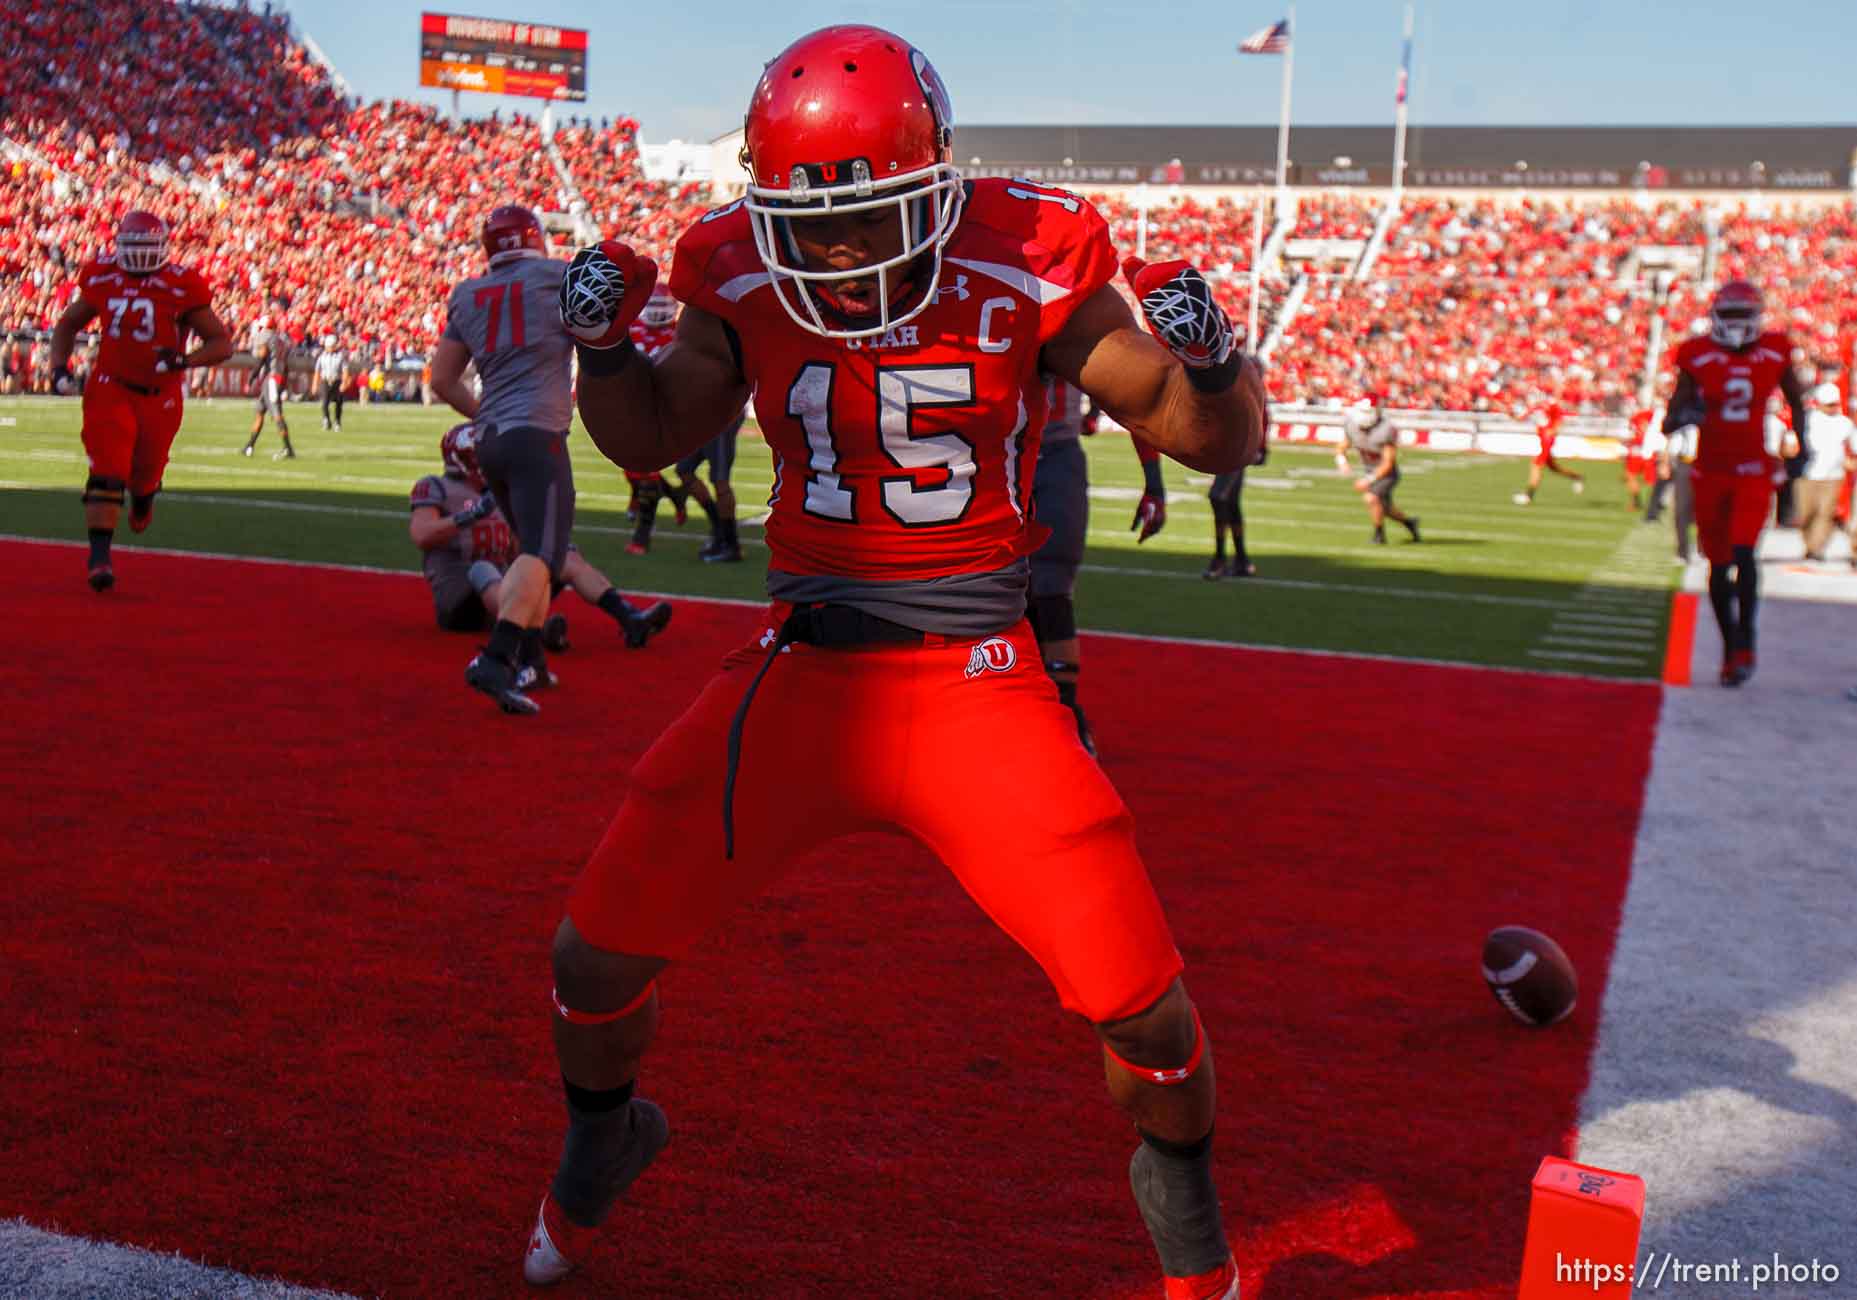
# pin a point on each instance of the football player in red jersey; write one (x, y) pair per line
(1724, 381)
(1547, 421)
(1637, 464)
(891, 321)
(133, 399)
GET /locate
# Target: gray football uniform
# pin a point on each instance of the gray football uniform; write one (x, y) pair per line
(509, 319)
(447, 568)
(267, 349)
(1370, 440)
(1061, 493)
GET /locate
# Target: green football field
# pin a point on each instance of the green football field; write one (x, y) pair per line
(1570, 584)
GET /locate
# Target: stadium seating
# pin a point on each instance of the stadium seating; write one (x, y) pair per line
(327, 215)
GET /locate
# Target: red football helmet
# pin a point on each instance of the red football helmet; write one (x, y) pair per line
(1734, 315)
(659, 310)
(459, 449)
(850, 119)
(141, 243)
(513, 231)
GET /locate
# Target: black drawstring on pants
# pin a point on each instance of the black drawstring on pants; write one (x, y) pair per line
(821, 625)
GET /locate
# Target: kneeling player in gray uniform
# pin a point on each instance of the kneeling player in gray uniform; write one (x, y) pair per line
(468, 546)
(1061, 502)
(725, 545)
(507, 323)
(1371, 435)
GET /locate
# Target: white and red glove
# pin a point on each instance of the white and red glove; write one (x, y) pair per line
(1181, 313)
(64, 383)
(1150, 516)
(603, 292)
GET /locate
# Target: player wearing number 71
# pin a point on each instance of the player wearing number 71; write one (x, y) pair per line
(145, 308)
(893, 323)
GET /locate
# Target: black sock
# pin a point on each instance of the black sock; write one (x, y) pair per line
(1721, 600)
(1179, 1150)
(1067, 694)
(729, 536)
(614, 604)
(100, 546)
(709, 509)
(1747, 588)
(531, 650)
(597, 1101)
(505, 640)
(1238, 551)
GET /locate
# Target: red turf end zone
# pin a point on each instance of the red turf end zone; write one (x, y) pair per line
(276, 973)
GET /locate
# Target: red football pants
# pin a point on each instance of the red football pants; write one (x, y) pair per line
(1731, 510)
(128, 435)
(979, 762)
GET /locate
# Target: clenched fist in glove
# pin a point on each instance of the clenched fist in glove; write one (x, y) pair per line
(602, 293)
(64, 383)
(1181, 313)
(475, 511)
(169, 362)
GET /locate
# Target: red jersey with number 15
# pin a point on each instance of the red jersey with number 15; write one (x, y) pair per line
(1735, 388)
(139, 314)
(909, 455)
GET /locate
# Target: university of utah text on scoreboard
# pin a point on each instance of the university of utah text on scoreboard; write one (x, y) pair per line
(500, 57)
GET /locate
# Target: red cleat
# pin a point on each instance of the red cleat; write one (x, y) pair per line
(637, 548)
(1220, 1284)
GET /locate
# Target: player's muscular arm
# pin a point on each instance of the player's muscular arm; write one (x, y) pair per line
(429, 528)
(1388, 459)
(448, 365)
(1794, 390)
(64, 333)
(655, 410)
(1145, 388)
(215, 339)
(1684, 402)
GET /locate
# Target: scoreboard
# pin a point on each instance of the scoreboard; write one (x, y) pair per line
(498, 57)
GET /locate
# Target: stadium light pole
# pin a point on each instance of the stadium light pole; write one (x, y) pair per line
(1257, 242)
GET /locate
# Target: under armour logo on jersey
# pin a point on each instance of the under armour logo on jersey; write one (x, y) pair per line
(958, 289)
(591, 290)
(767, 639)
(993, 655)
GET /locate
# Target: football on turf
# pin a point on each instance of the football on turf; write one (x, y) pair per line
(1529, 975)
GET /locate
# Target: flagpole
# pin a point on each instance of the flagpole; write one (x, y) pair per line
(1257, 239)
(1283, 111)
(1399, 113)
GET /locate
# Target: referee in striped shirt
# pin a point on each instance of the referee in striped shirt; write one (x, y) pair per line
(332, 374)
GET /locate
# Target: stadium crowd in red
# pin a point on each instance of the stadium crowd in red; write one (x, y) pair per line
(328, 216)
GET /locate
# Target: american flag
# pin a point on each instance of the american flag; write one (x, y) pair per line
(1274, 39)
(1405, 71)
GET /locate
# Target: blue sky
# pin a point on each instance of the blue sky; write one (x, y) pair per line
(684, 68)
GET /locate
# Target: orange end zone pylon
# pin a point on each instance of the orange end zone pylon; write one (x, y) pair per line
(1682, 638)
(1583, 1226)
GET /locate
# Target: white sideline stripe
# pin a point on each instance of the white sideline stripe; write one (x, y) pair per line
(1608, 620)
(738, 602)
(1598, 643)
(1415, 593)
(1579, 656)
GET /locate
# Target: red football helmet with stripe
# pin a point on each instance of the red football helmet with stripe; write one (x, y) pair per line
(1734, 314)
(513, 231)
(141, 243)
(851, 119)
(459, 449)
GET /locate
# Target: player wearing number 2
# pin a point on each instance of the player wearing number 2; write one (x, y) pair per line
(1723, 384)
(893, 323)
(146, 307)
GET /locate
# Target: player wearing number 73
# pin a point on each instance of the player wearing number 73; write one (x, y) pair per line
(145, 307)
(893, 323)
